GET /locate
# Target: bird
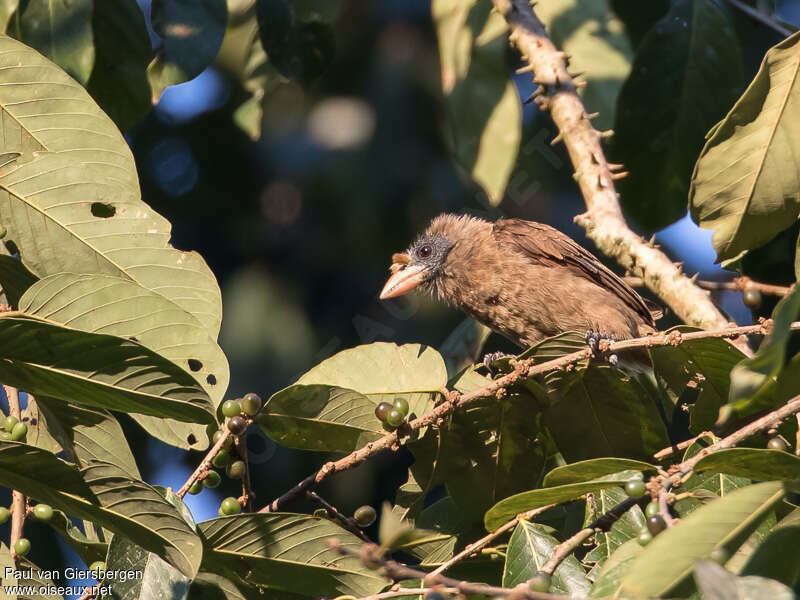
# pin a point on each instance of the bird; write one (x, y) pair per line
(524, 280)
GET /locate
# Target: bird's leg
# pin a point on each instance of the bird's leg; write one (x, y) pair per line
(593, 340)
(488, 359)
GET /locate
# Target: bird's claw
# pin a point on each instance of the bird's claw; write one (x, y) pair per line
(488, 359)
(593, 341)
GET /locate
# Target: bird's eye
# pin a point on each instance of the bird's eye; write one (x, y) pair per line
(424, 251)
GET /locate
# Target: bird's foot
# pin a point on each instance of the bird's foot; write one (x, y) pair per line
(492, 357)
(598, 342)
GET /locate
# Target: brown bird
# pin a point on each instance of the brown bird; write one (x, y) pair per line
(524, 280)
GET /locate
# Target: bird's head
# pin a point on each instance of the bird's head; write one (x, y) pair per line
(418, 266)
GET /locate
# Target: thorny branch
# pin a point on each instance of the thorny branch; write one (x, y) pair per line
(603, 220)
(498, 387)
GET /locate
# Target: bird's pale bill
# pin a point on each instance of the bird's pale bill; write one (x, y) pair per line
(404, 278)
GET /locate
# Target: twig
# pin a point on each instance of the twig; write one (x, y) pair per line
(247, 491)
(19, 505)
(602, 523)
(670, 450)
(522, 369)
(484, 541)
(735, 284)
(760, 17)
(603, 220)
(204, 465)
(396, 593)
(347, 522)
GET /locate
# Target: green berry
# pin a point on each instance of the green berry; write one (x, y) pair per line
(4, 436)
(401, 405)
(218, 434)
(365, 516)
(5, 514)
(236, 469)
(751, 298)
(231, 408)
(11, 420)
(221, 459)
(540, 582)
(382, 411)
(395, 418)
(196, 488)
(777, 443)
(251, 404)
(644, 538)
(389, 428)
(212, 479)
(97, 566)
(22, 546)
(321, 513)
(635, 488)
(652, 509)
(237, 425)
(43, 512)
(656, 524)
(720, 555)
(230, 506)
(19, 432)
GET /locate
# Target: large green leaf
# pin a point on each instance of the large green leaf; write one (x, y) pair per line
(119, 79)
(727, 522)
(759, 464)
(71, 200)
(707, 364)
(7, 10)
(484, 113)
(608, 581)
(745, 185)
(97, 370)
(530, 547)
(591, 469)
(687, 73)
(89, 550)
(770, 558)
(62, 31)
(510, 507)
(286, 551)
(332, 406)
(753, 379)
(104, 494)
(716, 583)
(627, 527)
(191, 33)
(594, 39)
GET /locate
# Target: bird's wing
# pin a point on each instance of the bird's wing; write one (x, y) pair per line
(546, 246)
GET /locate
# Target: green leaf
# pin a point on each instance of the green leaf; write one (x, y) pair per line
(463, 346)
(34, 577)
(445, 523)
(71, 201)
(687, 73)
(119, 79)
(593, 38)
(761, 464)
(62, 31)
(97, 370)
(7, 10)
(483, 109)
(530, 547)
(590, 469)
(745, 184)
(639, 17)
(285, 551)
(41, 431)
(753, 379)
(104, 494)
(14, 277)
(770, 558)
(707, 364)
(332, 406)
(716, 583)
(255, 76)
(428, 471)
(89, 550)
(609, 578)
(627, 527)
(509, 508)
(668, 560)
(191, 33)
(87, 434)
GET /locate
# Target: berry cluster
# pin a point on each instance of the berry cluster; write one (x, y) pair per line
(12, 429)
(392, 415)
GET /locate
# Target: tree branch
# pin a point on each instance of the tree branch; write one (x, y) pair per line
(522, 369)
(735, 284)
(19, 504)
(603, 220)
(760, 17)
(202, 468)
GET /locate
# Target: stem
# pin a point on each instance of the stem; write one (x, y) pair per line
(735, 284)
(760, 17)
(19, 505)
(247, 491)
(202, 468)
(667, 452)
(346, 522)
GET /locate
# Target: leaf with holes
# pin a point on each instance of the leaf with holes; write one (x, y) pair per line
(106, 304)
(97, 370)
(104, 494)
(70, 201)
(285, 551)
(745, 185)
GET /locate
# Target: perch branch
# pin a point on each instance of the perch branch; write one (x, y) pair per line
(670, 450)
(522, 369)
(760, 17)
(736, 284)
(19, 505)
(603, 220)
(344, 520)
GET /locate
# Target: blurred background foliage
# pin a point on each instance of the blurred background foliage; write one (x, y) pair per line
(297, 177)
